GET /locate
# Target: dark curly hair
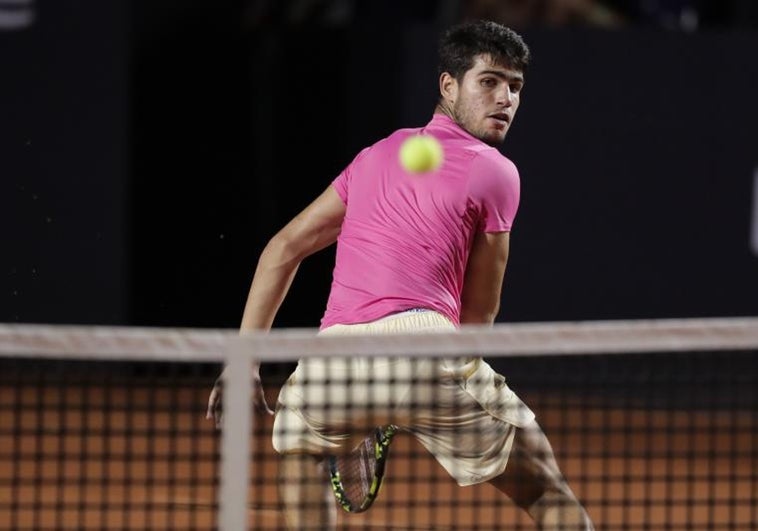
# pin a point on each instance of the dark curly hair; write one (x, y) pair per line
(462, 43)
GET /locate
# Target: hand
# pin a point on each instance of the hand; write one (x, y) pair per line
(215, 399)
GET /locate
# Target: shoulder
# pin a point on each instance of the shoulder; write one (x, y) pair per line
(490, 168)
(396, 138)
(495, 186)
(489, 161)
(386, 144)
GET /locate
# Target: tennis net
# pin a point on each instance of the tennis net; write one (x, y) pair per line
(653, 423)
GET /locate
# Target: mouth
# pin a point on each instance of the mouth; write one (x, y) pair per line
(503, 119)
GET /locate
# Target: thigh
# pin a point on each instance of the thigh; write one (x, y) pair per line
(470, 443)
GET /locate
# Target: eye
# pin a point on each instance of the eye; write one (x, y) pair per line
(516, 87)
(489, 82)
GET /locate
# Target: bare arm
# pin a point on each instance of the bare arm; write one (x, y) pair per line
(480, 300)
(313, 229)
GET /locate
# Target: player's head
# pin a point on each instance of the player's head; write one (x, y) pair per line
(481, 69)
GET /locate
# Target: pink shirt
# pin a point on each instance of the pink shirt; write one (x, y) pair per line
(406, 238)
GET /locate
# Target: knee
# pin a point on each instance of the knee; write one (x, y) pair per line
(532, 473)
(560, 509)
(554, 493)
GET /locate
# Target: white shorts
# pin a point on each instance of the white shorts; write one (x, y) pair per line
(460, 410)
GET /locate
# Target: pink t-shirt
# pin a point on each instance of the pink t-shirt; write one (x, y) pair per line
(406, 238)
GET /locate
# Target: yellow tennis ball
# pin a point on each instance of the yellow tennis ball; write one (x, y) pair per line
(421, 153)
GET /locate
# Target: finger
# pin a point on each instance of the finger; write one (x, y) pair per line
(263, 407)
(213, 403)
(267, 409)
(261, 404)
(209, 408)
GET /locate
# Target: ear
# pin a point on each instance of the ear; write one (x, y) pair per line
(448, 87)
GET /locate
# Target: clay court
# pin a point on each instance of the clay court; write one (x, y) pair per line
(112, 456)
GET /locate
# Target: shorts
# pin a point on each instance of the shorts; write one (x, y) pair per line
(460, 409)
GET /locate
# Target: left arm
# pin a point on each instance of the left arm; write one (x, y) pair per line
(483, 281)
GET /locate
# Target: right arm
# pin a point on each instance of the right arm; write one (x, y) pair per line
(311, 230)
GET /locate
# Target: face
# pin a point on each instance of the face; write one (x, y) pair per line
(484, 103)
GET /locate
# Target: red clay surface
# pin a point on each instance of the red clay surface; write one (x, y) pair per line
(66, 464)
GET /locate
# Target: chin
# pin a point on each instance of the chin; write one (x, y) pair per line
(493, 139)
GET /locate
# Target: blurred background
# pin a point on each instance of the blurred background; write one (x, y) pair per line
(149, 149)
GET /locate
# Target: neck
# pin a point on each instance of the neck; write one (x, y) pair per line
(443, 108)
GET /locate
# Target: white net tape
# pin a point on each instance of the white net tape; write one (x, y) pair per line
(561, 338)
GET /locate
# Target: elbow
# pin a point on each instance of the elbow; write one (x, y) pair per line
(292, 246)
(279, 251)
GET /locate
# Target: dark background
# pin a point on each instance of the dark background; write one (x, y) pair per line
(149, 149)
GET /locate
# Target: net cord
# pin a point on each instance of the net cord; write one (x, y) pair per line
(512, 339)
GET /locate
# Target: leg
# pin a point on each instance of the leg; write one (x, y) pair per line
(534, 482)
(306, 493)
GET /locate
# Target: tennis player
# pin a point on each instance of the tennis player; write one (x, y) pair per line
(416, 253)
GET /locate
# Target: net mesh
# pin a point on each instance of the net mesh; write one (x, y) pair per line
(105, 445)
(653, 424)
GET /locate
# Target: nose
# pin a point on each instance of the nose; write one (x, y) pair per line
(505, 96)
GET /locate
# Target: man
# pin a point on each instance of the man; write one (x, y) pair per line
(417, 253)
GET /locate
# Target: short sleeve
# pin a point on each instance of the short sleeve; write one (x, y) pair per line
(495, 187)
(342, 183)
